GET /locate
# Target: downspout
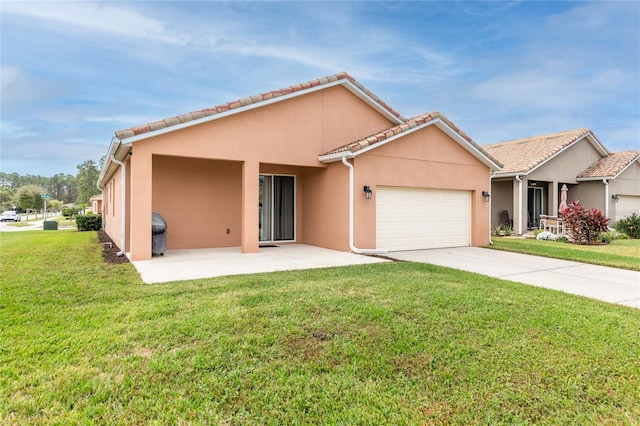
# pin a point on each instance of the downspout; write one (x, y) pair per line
(351, 195)
(490, 240)
(124, 199)
(606, 197)
(519, 179)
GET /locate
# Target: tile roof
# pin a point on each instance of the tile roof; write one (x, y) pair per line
(524, 155)
(404, 127)
(611, 165)
(194, 115)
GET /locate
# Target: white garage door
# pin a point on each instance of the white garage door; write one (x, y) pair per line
(418, 218)
(626, 205)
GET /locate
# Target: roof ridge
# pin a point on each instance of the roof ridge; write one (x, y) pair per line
(206, 112)
(581, 131)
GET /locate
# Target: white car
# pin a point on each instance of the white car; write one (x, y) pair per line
(10, 215)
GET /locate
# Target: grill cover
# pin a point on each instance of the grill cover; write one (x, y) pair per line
(158, 234)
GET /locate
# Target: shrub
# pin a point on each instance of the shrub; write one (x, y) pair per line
(89, 222)
(548, 236)
(607, 237)
(629, 225)
(70, 211)
(585, 225)
(562, 239)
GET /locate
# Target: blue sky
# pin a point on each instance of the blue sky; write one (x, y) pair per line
(75, 72)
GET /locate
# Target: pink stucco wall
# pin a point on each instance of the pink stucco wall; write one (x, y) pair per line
(204, 179)
(427, 158)
(289, 133)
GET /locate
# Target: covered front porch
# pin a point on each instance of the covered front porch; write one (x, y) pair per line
(523, 204)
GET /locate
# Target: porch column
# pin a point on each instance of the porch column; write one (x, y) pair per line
(250, 205)
(553, 211)
(518, 186)
(140, 205)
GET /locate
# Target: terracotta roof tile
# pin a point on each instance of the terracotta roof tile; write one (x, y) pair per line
(184, 118)
(611, 165)
(523, 155)
(406, 126)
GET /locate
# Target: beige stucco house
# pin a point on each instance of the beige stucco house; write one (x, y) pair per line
(536, 168)
(324, 163)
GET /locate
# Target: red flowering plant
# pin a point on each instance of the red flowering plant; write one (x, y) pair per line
(585, 225)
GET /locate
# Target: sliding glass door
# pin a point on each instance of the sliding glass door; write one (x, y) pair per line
(277, 208)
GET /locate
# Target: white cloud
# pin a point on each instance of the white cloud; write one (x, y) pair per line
(93, 16)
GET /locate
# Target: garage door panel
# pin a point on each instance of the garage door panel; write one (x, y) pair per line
(626, 205)
(418, 218)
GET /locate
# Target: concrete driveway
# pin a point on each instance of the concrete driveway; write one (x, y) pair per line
(597, 282)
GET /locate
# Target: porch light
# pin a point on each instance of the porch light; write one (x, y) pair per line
(486, 196)
(367, 192)
(614, 197)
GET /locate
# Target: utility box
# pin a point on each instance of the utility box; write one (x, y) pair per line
(50, 225)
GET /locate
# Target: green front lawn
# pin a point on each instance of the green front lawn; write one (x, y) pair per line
(83, 342)
(623, 254)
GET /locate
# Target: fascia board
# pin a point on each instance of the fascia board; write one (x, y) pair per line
(343, 82)
(637, 159)
(597, 145)
(438, 123)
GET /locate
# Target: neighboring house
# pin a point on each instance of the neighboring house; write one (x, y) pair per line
(96, 204)
(324, 163)
(536, 168)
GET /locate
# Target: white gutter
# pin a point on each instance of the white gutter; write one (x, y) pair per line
(124, 198)
(606, 197)
(519, 179)
(351, 195)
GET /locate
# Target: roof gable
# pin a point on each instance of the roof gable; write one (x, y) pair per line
(196, 117)
(610, 166)
(523, 156)
(416, 123)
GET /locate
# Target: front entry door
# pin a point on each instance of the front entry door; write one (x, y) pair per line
(277, 208)
(534, 202)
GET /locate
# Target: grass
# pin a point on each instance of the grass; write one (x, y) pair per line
(624, 254)
(83, 342)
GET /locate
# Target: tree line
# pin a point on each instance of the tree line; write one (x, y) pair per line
(23, 192)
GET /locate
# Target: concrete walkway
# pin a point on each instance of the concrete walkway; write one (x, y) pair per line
(597, 282)
(179, 265)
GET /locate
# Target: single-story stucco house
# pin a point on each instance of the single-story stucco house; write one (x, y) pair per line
(536, 168)
(324, 163)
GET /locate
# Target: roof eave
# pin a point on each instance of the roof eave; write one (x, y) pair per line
(438, 122)
(353, 88)
(602, 150)
(119, 150)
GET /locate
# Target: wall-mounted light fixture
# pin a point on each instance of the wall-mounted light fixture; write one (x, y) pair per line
(486, 196)
(614, 197)
(367, 192)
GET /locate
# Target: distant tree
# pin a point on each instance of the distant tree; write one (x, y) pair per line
(86, 180)
(30, 192)
(6, 199)
(54, 205)
(26, 201)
